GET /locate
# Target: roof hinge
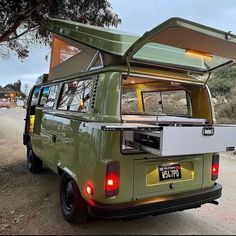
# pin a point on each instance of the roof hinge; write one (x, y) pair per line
(128, 65)
(93, 62)
(208, 77)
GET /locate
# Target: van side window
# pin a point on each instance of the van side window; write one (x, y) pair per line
(35, 97)
(48, 96)
(76, 96)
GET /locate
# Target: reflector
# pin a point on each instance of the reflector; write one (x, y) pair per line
(89, 190)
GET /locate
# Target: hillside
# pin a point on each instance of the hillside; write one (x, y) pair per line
(223, 90)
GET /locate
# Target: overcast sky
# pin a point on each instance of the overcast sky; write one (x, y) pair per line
(137, 17)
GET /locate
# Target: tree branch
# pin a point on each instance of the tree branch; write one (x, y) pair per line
(5, 36)
(5, 20)
(12, 29)
(21, 34)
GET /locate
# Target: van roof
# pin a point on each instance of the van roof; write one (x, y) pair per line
(108, 40)
(176, 43)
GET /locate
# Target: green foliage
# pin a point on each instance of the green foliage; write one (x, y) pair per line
(23, 23)
(15, 87)
(12, 87)
(226, 113)
(223, 89)
(223, 81)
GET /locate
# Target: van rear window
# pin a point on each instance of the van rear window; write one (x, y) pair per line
(174, 102)
(166, 102)
(76, 96)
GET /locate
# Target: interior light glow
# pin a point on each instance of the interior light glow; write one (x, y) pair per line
(202, 55)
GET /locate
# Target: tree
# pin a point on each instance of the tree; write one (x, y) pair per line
(223, 89)
(13, 87)
(222, 81)
(23, 23)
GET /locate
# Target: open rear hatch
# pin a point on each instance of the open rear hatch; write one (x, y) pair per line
(182, 44)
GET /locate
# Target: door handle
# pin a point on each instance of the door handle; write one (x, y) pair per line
(208, 131)
(54, 138)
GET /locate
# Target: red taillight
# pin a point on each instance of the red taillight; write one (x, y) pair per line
(112, 182)
(112, 179)
(215, 166)
(215, 169)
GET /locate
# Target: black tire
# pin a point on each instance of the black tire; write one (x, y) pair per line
(74, 207)
(34, 164)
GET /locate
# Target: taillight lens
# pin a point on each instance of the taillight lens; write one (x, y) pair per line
(88, 190)
(215, 166)
(112, 180)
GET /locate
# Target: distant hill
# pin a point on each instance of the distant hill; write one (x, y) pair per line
(223, 89)
(223, 81)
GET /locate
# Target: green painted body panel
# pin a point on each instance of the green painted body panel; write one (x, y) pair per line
(42, 135)
(173, 76)
(83, 151)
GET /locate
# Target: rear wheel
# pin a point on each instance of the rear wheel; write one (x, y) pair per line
(73, 206)
(34, 164)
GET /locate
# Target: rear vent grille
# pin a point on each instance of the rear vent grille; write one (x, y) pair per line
(94, 93)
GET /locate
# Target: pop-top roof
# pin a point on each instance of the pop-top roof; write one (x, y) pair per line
(108, 40)
(176, 43)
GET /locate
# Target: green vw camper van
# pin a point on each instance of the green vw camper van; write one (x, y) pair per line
(127, 122)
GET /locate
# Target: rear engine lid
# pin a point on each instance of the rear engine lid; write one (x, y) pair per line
(160, 177)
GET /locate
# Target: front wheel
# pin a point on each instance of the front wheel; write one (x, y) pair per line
(34, 164)
(73, 206)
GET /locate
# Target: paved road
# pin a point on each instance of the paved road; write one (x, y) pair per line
(30, 205)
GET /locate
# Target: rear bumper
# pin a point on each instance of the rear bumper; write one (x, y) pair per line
(155, 206)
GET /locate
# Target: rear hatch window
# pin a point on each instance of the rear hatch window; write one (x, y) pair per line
(152, 100)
